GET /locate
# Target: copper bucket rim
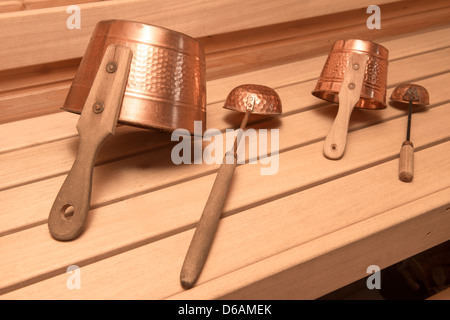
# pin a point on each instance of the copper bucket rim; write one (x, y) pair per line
(153, 27)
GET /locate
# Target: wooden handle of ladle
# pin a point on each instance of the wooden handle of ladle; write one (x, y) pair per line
(207, 226)
(349, 95)
(97, 122)
(406, 163)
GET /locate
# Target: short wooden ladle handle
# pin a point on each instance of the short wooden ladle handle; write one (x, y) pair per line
(349, 95)
(97, 122)
(406, 164)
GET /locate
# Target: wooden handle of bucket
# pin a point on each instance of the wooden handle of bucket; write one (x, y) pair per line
(406, 164)
(349, 95)
(97, 122)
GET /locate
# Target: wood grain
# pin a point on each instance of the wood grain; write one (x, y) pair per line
(112, 277)
(34, 199)
(311, 228)
(109, 231)
(23, 46)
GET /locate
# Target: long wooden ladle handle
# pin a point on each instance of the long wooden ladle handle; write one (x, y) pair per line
(97, 122)
(349, 95)
(207, 226)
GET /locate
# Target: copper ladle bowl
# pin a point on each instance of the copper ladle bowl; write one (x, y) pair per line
(266, 102)
(166, 87)
(373, 92)
(408, 91)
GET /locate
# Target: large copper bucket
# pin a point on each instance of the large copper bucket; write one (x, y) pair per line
(166, 87)
(135, 74)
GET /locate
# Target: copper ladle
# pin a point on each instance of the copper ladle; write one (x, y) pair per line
(250, 99)
(413, 94)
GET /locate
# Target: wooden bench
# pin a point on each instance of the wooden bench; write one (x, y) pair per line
(313, 227)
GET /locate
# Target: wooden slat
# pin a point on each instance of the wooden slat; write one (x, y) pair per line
(40, 4)
(443, 295)
(113, 232)
(38, 130)
(406, 230)
(308, 43)
(35, 100)
(305, 28)
(42, 166)
(33, 201)
(23, 42)
(156, 266)
(9, 6)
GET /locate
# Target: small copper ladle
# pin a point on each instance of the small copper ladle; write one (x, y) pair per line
(250, 99)
(414, 95)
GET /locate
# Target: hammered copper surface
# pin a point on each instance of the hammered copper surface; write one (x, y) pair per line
(267, 100)
(373, 93)
(409, 91)
(166, 86)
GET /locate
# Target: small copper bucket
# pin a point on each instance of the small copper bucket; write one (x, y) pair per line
(358, 67)
(135, 74)
(166, 87)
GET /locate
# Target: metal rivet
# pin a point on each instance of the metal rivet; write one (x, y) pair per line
(111, 67)
(355, 66)
(351, 86)
(98, 107)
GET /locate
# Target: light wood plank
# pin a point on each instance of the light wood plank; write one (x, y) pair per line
(27, 101)
(156, 266)
(42, 166)
(9, 6)
(443, 295)
(38, 130)
(40, 4)
(108, 231)
(304, 45)
(315, 268)
(24, 44)
(135, 175)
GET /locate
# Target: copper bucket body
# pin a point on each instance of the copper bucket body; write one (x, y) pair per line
(373, 92)
(166, 87)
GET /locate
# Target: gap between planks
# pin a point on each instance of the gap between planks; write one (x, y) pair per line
(113, 277)
(25, 133)
(135, 173)
(28, 103)
(119, 146)
(101, 232)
